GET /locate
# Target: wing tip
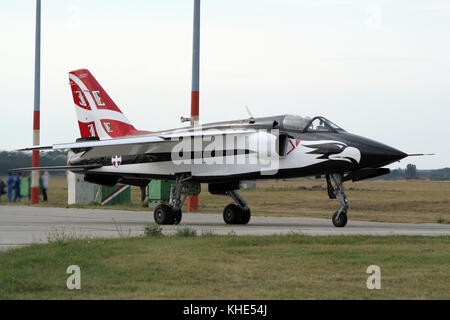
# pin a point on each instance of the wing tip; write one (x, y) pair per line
(35, 148)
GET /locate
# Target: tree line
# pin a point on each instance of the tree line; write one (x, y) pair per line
(15, 159)
(411, 172)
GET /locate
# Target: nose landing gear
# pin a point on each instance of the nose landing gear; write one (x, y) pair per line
(335, 188)
(171, 213)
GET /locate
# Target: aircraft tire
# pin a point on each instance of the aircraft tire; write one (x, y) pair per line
(342, 221)
(177, 215)
(163, 214)
(245, 216)
(232, 214)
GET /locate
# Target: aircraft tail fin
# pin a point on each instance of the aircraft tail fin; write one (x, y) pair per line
(97, 113)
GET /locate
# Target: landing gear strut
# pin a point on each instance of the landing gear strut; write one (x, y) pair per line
(171, 213)
(335, 187)
(238, 213)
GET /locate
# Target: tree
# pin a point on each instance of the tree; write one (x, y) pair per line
(411, 171)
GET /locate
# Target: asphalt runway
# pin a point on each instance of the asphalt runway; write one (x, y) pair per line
(24, 225)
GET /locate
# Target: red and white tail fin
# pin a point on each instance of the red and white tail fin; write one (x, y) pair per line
(97, 114)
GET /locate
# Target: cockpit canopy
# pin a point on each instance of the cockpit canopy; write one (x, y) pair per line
(307, 124)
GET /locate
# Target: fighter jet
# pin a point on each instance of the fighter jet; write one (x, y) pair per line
(223, 154)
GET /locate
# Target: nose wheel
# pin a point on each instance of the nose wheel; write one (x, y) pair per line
(339, 219)
(336, 190)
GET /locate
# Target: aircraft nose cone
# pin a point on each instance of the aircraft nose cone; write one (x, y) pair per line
(391, 155)
(375, 154)
(378, 155)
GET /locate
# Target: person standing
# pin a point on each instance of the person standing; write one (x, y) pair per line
(10, 185)
(2, 189)
(45, 178)
(17, 187)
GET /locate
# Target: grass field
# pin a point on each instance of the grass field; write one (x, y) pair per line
(389, 201)
(230, 267)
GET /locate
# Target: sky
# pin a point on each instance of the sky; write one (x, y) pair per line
(380, 69)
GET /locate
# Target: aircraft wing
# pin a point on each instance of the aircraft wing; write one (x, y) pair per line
(58, 168)
(132, 149)
(134, 140)
(98, 143)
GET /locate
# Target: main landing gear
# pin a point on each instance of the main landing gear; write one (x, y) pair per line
(235, 213)
(238, 213)
(335, 187)
(171, 213)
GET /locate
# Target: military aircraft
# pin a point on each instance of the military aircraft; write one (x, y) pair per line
(223, 154)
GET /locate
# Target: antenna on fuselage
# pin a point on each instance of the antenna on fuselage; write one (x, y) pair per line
(252, 118)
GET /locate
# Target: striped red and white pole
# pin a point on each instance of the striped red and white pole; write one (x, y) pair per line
(195, 96)
(37, 106)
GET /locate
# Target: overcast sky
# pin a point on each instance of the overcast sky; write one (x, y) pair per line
(380, 69)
